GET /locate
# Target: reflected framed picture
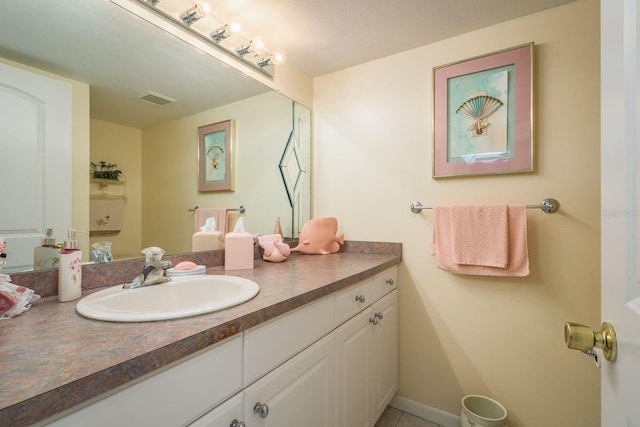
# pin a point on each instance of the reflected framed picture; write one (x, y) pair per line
(216, 156)
(483, 114)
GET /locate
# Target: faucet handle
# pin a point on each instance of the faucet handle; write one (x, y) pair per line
(166, 265)
(153, 254)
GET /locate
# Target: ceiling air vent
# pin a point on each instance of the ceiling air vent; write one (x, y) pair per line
(156, 98)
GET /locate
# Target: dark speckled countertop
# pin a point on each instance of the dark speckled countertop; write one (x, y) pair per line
(51, 358)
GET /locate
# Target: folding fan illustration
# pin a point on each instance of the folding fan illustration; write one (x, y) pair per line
(478, 109)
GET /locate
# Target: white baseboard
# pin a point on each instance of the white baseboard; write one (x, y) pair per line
(443, 418)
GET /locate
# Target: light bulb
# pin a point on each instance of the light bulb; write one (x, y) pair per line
(236, 26)
(259, 44)
(279, 56)
(207, 6)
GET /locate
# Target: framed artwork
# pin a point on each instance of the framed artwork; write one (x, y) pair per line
(483, 114)
(216, 157)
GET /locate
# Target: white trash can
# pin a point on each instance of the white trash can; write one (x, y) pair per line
(482, 411)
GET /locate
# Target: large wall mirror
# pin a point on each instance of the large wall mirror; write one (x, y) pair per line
(122, 58)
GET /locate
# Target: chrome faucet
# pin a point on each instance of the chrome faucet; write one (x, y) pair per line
(154, 269)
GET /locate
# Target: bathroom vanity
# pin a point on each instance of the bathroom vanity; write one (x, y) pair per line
(318, 343)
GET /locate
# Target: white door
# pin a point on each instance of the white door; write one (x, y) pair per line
(620, 208)
(35, 162)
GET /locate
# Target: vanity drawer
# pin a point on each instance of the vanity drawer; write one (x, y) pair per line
(352, 301)
(385, 282)
(270, 344)
(175, 396)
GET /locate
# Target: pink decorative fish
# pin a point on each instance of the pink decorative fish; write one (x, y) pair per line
(319, 236)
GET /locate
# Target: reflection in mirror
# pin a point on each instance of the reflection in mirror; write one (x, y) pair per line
(155, 146)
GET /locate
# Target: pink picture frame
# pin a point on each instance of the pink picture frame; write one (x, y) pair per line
(483, 115)
(216, 161)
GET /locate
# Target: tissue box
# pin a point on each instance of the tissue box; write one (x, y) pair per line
(207, 241)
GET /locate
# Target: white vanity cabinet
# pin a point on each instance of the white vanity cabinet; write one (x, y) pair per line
(366, 353)
(172, 397)
(331, 363)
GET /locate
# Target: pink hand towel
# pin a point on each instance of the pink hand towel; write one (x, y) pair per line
(480, 235)
(518, 258)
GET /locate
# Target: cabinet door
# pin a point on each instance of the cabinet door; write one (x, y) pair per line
(298, 393)
(353, 372)
(385, 352)
(223, 415)
(172, 397)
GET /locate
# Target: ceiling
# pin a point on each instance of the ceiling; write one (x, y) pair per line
(120, 57)
(322, 36)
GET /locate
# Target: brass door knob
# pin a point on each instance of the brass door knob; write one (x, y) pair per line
(583, 338)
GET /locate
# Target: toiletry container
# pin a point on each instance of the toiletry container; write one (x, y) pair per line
(207, 241)
(208, 238)
(238, 248)
(70, 269)
(46, 256)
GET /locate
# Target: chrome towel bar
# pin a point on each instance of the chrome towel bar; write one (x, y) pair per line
(241, 209)
(547, 206)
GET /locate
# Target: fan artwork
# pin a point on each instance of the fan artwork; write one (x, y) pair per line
(483, 114)
(478, 127)
(477, 109)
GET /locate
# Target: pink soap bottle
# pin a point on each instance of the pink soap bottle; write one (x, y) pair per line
(238, 248)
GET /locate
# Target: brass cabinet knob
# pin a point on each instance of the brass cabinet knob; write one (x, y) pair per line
(583, 338)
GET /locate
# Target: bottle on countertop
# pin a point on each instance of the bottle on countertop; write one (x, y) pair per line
(70, 269)
(46, 256)
(238, 248)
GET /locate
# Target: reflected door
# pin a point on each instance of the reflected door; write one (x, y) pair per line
(35, 162)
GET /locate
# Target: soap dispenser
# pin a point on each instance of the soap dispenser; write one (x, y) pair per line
(70, 269)
(46, 256)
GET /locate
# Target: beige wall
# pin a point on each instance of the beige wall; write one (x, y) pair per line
(170, 171)
(121, 145)
(501, 337)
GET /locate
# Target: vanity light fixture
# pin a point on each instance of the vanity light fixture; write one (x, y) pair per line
(226, 31)
(243, 49)
(221, 33)
(258, 46)
(191, 15)
(265, 61)
(277, 57)
(224, 35)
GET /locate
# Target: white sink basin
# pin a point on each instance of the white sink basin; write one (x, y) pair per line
(181, 297)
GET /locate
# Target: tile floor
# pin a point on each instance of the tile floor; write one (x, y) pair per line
(392, 417)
